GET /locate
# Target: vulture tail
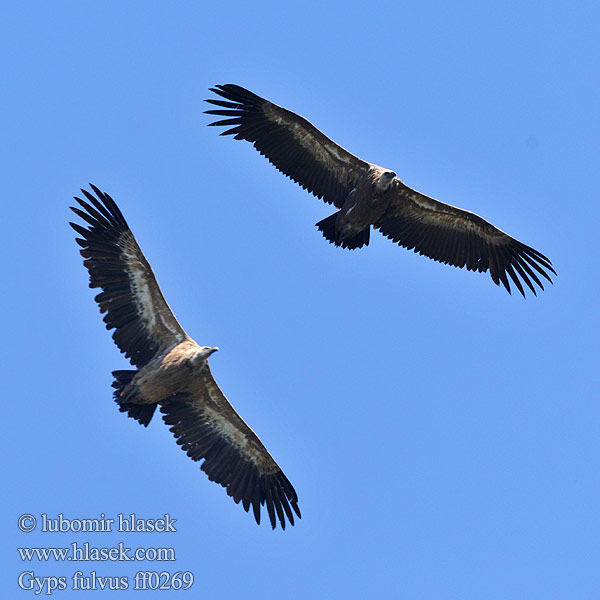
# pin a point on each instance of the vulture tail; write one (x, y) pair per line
(140, 412)
(328, 228)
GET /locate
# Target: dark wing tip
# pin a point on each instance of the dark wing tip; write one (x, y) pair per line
(236, 93)
(100, 211)
(518, 263)
(273, 491)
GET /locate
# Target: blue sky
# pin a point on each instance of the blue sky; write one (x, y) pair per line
(443, 436)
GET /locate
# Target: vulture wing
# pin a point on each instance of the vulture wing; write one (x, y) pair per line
(461, 238)
(292, 144)
(134, 305)
(207, 427)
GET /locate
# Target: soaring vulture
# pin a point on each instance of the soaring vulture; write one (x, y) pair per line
(367, 194)
(171, 368)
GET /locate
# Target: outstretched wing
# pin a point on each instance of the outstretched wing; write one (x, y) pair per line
(292, 144)
(207, 427)
(134, 305)
(461, 238)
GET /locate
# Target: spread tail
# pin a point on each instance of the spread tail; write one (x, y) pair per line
(140, 412)
(328, 228)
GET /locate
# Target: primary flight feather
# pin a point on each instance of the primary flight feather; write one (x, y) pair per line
(172, 369)
(369, 195)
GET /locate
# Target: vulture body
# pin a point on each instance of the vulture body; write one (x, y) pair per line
(172, 370)
(369, 195)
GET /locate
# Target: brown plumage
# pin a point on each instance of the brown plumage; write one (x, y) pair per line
(172, 369)
(367, 194)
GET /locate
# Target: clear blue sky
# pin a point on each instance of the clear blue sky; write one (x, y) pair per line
(442, 435)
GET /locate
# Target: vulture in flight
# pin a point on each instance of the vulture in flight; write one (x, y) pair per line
(367, 194)
(171, 368)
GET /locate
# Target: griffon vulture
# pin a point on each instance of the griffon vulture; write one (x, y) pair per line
(367, 194)
(171, 368)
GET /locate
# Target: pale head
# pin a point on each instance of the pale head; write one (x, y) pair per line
(385, 181)
(201, 355)
(206, 351)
